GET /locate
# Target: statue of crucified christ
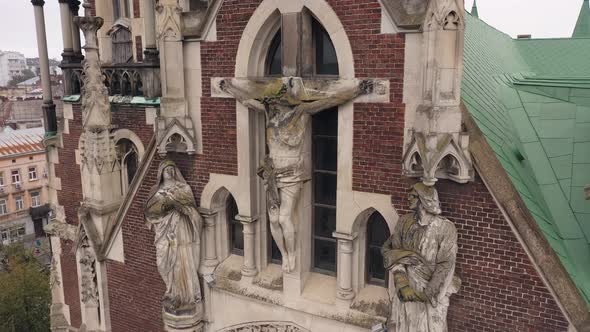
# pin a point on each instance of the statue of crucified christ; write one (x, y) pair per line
(288, 105)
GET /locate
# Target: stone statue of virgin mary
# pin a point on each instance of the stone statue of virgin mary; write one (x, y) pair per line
(172, 213)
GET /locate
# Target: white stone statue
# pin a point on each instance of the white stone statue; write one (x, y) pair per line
(171, 212)
(421, 255)
(288, 106)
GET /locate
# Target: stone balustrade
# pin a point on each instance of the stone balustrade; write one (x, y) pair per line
(134, 79)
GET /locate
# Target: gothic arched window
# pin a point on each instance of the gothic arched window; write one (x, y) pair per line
(129, 159)
(377, 234)
(236, 229)
(326, 62)
(319, 50)
(274, 64)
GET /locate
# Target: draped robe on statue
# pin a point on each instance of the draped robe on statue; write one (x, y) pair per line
(426, 255)
(171, 212)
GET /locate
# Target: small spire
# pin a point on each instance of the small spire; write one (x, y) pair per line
(474, 12)
(582, 29)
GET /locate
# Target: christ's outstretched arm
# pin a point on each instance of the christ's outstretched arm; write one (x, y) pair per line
(339, 98)
(245, 92)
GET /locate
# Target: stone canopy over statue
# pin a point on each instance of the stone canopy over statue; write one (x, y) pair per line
(171, 212)
(421, 255)
(288, 104)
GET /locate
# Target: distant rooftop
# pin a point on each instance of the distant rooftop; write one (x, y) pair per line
(30, 81)
(15, 142)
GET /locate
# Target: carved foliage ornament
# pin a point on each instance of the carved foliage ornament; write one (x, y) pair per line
(445, 15)
(98, 151)
(168, 26)
(265, 327)
(95, 97)
(89, 288)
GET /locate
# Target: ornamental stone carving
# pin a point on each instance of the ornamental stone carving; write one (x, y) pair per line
(421, 255)
(89, 287)
(172, 213)
(288, 105)
(54, 274)
(168, 16)
(265, 327)
(441, 156)
(62, 230)
(445, 15)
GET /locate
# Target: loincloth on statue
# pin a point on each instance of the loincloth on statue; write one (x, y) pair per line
(286, 179)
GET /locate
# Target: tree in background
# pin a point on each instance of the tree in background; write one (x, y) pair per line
(25, 297)
(26, 74)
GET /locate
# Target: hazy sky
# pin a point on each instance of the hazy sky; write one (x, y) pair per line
(541, 18)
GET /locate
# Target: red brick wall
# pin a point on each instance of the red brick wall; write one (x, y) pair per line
(69, 197)
(501, 289)
(71, 194)
(138, 49)
(136, 9)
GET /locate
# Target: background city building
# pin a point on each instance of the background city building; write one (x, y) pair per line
(11, 64)
(23, 186)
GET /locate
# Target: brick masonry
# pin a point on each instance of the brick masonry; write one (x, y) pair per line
(71, 194)
(136, 9)
(501, 290)
(138, 49)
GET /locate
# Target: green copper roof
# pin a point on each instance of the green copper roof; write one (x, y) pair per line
(474, 12)
(582, 29)
(531, 99)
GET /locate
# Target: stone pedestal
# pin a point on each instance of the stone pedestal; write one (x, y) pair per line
(185, 321)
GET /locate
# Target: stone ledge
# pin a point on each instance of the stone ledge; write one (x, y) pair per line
(229, 281)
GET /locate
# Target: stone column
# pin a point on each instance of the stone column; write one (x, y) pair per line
(344, 276)
(149, 19)
(66, 31)
(49, 116)
(210, 261)
(249, 267)
(76, 43)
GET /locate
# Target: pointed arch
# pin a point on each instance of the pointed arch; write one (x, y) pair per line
(264, 23)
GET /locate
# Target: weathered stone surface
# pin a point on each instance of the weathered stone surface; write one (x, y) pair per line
(421, 254)
(407, 14)
(171, 212)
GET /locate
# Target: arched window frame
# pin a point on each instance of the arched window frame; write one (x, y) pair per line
(235, 234)
(133, 140)
(371, 243)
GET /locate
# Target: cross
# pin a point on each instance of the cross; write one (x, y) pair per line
(288, 103)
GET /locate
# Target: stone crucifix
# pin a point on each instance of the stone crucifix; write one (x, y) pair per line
(288, 106)
(288, 103)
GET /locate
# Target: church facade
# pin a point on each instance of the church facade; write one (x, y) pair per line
(232, 165)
